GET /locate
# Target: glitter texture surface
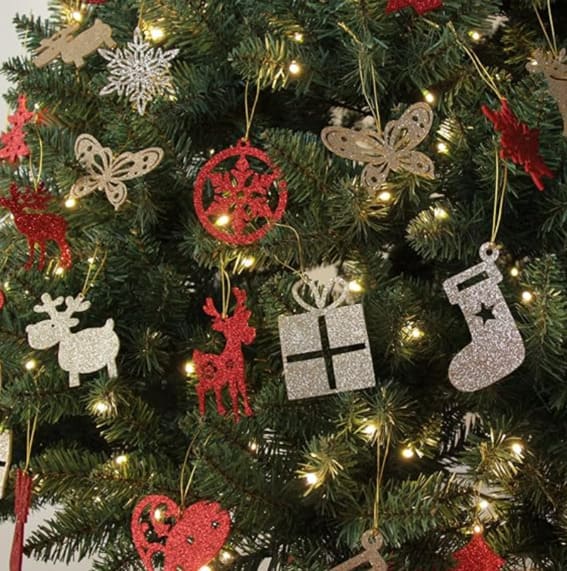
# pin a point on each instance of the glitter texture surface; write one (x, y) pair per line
(555, 71)
(22, 502)
(107, 172)
(86, 351)
(139, 71)
(420, 6)
(246, 187)
(5, 460)
(497, 348)
(391, 150)
(372, 542)
(74, 49)
(188, 539)
(326, 350)
(37, 226)
(215, 372)
(518, 142)
(477, 556)
(14, 146)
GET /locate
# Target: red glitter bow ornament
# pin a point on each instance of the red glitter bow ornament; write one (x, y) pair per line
(21, 507)
(227, 369)
(186, 539)
(38, 226)
(420, 6)
(240, 194)
(518, 142)
(14, 145)
(477, 556)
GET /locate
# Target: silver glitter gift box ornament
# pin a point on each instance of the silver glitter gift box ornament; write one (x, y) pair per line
(497, 348)
(325, 351)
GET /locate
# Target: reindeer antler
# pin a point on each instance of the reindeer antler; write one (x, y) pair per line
(75, 305)
(240, 295)
(210, 309)
(48, 305)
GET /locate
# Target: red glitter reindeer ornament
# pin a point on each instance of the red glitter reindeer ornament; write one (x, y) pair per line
(227, 369)
(420, 6)
(30, 218)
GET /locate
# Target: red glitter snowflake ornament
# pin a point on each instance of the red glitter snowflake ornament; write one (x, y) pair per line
(477, 556)
(240, 194)
(518, 143)
(187, 538)
(420, 6)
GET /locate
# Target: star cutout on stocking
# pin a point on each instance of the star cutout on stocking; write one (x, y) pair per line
(420, 6)
(477, 556)
(518, 142)
(486, 313)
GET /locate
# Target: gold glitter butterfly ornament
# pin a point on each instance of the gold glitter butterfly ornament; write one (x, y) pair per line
(107, 172)
(392, 150)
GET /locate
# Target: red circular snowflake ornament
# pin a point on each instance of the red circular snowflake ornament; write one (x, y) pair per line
(240, 194)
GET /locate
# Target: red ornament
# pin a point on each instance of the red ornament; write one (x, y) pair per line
(38, 226)
(518, 142)
(21, 507)
(188, 539)
(244, 185)
(13, 141)
(227, 369)
(420, 6)
(2, 299)
(477, 556)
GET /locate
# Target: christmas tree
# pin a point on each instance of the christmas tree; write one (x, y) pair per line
(282, 277)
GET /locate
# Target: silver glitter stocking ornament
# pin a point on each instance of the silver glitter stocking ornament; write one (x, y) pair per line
(325, 351)
(497, 348)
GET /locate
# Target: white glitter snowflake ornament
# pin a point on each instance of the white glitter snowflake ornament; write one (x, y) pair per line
(139, 71)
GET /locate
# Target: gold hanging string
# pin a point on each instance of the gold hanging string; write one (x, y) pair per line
(500, 188)
(184, 488)
(479, 66)
(551, 40)
(30, 436)
(89, 282)
(225, 286)
(380, 468)
(37, 180)
(299, 250)
(249, 112)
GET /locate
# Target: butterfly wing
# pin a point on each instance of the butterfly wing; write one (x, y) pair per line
(84, 186)
(92, 156)
(417, 163)
(410, 129)
(116, 192)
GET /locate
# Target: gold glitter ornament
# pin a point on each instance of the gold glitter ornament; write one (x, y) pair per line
(497, 348)
(5, 460)
(71, 48)
(391, 150)
(326, 350)
(86, 351)
(555, 71)
(372, 542)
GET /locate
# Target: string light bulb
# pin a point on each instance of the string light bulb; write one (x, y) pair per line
(248, 261)
(121, 459)
(355, 286)
(385, 196)
(298, 37)
(515, 272)
(428, 96)
(312, 478)
(222, 220)
(408, 453)
(206, 568)
(442, 147)
(102, 407)
(30, 365)
(475, 35)
(59, 271)
(517, 448)
(77, 16)
(70, 202)
(370, 429)
(156, 34)
(477, 529)
(483, 504)
(294, 68)
(440, 213)
(253, 446)
(527, 296)
(189, 368)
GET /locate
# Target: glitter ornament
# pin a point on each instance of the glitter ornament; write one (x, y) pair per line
(227, 369)
(497, 348)
(22, 502)
(326, 350)
(14, 146)
(555, 71)
(86, 351)
(187, 538)
(28, 208)
(391, 150)
(74, 48)
(420, 6)
(477, 556)
(139, 71)
(2, 299)
(518, 143)
(5, 460)
(372, 542)
(106, 172)
(242, 184)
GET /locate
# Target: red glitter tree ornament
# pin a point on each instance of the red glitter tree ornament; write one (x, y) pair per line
(477, 556)
(38, 226)
(13, 141)
(420, 6)
(22, 502)
(518, 142)
(242, 185)
(227, 369)
(186, 539)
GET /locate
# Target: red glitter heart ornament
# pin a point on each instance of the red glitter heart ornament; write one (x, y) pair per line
(184, 540)
(240, 194)
(477, 556)
(420, 6)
